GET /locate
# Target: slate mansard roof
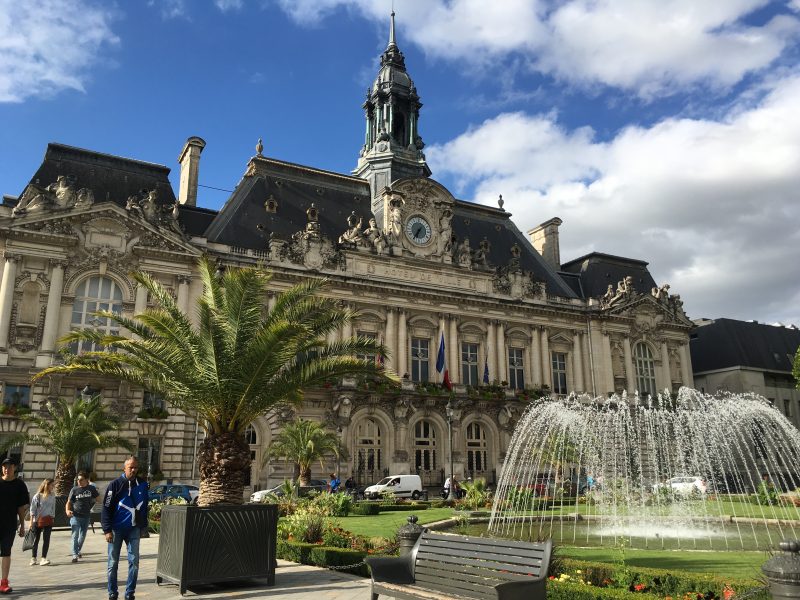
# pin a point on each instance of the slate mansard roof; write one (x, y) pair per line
(726, 343)
(590, 275)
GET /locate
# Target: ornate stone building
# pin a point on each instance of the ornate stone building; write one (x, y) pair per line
(419, 265)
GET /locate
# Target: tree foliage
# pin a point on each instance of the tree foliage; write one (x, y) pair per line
(302, 443)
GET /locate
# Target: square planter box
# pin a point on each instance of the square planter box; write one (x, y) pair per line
(214, 544)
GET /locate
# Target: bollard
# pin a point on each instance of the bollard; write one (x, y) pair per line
(783, 572)
(408, 535)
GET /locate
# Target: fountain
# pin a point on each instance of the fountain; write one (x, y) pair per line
(689, 471)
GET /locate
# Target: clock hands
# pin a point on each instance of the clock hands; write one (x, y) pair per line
(418, 231)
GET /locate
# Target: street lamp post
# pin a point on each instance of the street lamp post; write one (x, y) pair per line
(449, 411)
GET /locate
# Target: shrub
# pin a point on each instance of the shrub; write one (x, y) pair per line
(307, 524)
(334, 505)
(477, 496)
(766, 494)
(571, 590)
(322, 556)
(365, 508)
(401, 507)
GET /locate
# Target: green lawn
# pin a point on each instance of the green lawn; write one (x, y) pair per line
(722, 507)
(386, 524)
(742, 565)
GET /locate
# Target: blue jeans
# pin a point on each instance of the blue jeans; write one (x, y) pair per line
(131, 539)
(79, 527)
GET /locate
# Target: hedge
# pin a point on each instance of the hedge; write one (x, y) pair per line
(399, 507)
(365, 508)
(658, 581)
(322, 556)
(560, 590)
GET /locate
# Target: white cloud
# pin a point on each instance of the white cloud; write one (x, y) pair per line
(713, 205)
(47, 46)
(226, 5)
(648, 47)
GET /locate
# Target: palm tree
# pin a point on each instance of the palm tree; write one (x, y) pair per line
(302, 443)
(237, 363)
(70, 430)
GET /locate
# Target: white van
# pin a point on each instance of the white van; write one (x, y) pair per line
(402, 486)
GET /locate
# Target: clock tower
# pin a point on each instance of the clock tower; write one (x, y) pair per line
(392, 144)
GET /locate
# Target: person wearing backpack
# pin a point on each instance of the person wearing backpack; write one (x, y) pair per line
(43, 514)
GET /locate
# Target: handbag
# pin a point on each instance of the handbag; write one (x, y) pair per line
(29, 539)
(45, 521)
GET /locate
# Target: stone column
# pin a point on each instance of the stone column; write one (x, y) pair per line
(630, 372)
(347, 328)
(272, 299)
(402, 344)
(686, 366)
(183, 293)
(535, 358)
(6, 302)
(502, 353)
(455, 365)
(547, 376)
(140, 303)
(491, 350)
(577, 361)
(608, 377)
(391, 338)
(53, 314)
(666, 378)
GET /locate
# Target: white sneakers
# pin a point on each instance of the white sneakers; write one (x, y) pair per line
(44, 562)
(34, 561)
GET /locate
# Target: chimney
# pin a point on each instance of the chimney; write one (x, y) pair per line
(190, 168)
(545, 239)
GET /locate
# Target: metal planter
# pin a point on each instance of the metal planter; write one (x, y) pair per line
(217, 544)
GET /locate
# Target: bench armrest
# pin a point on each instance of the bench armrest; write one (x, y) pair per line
(391, 569)
(533, 589)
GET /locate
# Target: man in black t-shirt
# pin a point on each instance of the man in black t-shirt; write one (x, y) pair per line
(14, 501)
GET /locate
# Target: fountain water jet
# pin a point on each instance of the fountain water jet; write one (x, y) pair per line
(608, 464)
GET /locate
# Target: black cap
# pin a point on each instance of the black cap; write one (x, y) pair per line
(9, 461)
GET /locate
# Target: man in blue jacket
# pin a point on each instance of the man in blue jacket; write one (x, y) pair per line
(124, 516)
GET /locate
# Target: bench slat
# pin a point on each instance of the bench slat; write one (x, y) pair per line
(512, 552)
(490, 561)
(469, 573)
(456, 560)
(449, 537)
(479, 553)
(458, 588)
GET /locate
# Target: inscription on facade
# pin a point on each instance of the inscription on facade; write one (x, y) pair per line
(412, 275)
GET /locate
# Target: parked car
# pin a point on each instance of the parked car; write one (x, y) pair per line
(176, 490)
(402, 486)
(315, 486)
(684, 486)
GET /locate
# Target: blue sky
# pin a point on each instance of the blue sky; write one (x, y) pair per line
(665, 130)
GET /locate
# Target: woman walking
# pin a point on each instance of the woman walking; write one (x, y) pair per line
(43, 512)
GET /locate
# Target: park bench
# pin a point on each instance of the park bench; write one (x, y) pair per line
(456, 566)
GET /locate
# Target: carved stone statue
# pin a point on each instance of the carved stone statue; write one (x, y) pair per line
(374, 237)
(57, 196)
(352, 236)
(446, 231)
(625, 290)
(64, 192)
(395, 220)
(464, 255)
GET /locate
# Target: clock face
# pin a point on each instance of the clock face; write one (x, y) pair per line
(418, 230)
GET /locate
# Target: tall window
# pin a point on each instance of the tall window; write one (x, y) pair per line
(16, 395)
(645, 370)
(149, 455)
(251, 437)
(94, 294)
(476, 448)
(85, 462)
(368, 450)
(153, 401)
(469, 363)
(420, 363)
(559, 372)
(516, 369)
(370, 336)
(14, 452)
(424, 446)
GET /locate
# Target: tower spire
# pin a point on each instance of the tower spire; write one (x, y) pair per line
(391, 32)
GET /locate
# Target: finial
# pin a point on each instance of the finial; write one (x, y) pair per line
(500, 202)
(259, 147)
(391, 31)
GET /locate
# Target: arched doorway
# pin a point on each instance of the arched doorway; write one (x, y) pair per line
(368, 455)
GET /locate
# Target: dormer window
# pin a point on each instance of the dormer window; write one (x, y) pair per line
(271, 205)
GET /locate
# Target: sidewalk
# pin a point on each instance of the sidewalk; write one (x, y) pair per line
(87, 578)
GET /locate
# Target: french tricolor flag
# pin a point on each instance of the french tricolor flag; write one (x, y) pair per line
(441, 364)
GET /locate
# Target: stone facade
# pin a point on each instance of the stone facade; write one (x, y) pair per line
(418, 264)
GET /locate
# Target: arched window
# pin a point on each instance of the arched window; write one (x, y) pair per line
(645, 370)
(251, 437)
(94, 294)
(477, 463)
(424, 446)
(368, 452)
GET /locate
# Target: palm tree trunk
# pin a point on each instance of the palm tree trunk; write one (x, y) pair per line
(305, 476)
(65, 477)
(223, 460)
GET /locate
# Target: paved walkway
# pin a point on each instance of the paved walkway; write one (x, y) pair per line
(86, 580)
